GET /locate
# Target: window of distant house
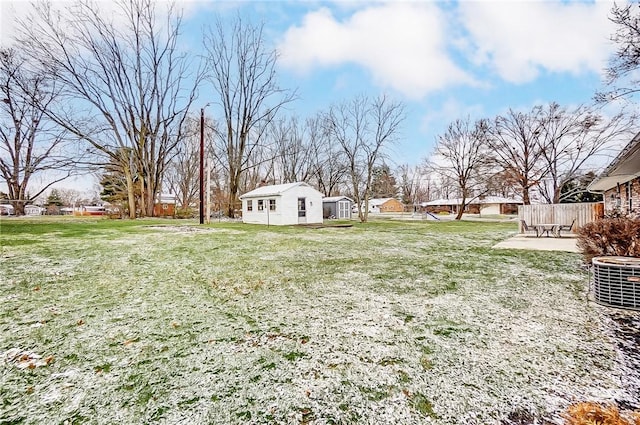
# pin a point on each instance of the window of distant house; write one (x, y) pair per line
(250, 205)
(260, 205)
(165, 206)
(272, 204)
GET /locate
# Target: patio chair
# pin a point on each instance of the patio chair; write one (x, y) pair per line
(526, 228)
(566, 227)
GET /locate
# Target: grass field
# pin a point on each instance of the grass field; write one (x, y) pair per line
(382, 323)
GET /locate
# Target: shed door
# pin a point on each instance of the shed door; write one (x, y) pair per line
(344, 210)
(302, 210)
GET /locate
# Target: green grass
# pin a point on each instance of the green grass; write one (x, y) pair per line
(153, 321)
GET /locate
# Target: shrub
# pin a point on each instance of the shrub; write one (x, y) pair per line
(589, 413)
(610, 236)
(184, 213)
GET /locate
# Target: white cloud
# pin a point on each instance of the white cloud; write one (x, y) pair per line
(519, 39)
(449, 111)
(402, 45)
(13, 12)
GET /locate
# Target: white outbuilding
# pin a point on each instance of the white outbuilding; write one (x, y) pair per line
(282, 204)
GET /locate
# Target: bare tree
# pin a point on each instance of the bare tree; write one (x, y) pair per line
(622, 76)
(363, 128)
(329, 168)
(74, 197)
(182, 174)
(127, 85)
(293, 154)
(413, 183)
(514, 141)
(243, 73)
(462, 155)
(30, 144)
(571, 138)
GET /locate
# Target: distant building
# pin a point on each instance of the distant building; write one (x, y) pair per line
(384, 205)
(34, 210)
(6, 209)
(282, 204)
(165, 205)
(489, 205)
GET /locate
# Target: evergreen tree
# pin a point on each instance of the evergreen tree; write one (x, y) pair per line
(576, 190)
(384, 183)
(54, 199)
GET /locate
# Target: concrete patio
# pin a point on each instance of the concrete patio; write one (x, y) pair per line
(530, 242)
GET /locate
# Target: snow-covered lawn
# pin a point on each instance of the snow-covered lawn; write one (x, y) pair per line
(385, 323)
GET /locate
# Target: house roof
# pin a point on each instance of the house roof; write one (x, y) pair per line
(167, 198)
(336, 198)
(273, 190)
(625, 167)
(486, 200)
(376, 202)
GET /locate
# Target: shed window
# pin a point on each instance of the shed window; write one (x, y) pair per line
(250, 205)
(260, 205)
(272, 204)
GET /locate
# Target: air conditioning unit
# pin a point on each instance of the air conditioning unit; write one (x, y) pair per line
(616, 281)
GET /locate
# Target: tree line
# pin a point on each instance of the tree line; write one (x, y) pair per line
(84, 91)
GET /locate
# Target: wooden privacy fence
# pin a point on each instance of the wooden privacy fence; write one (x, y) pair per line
(583, 213)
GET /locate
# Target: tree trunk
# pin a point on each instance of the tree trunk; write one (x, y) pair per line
(461, 207)
(130, 193)
(525, 196)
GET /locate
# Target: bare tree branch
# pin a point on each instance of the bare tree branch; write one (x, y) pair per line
(243, 73)
(128, 84)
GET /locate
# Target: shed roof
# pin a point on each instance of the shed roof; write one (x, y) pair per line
(336, 199)
(625, 167)
(272, 190)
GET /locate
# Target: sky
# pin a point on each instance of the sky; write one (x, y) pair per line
(443, 60)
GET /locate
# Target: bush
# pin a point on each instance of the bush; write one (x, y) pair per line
(596, 414)
(610, 236)
(184, 213)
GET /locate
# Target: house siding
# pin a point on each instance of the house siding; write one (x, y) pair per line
(625, 197)
(286, 212)
(392, 205)
(490, 209)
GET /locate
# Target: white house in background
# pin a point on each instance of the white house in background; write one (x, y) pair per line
(34, 210)
(383, 205)
(6, 209)
(282, 204)
(489, 205)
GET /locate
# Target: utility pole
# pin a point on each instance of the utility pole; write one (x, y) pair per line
(208, 190)
(202, 166)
